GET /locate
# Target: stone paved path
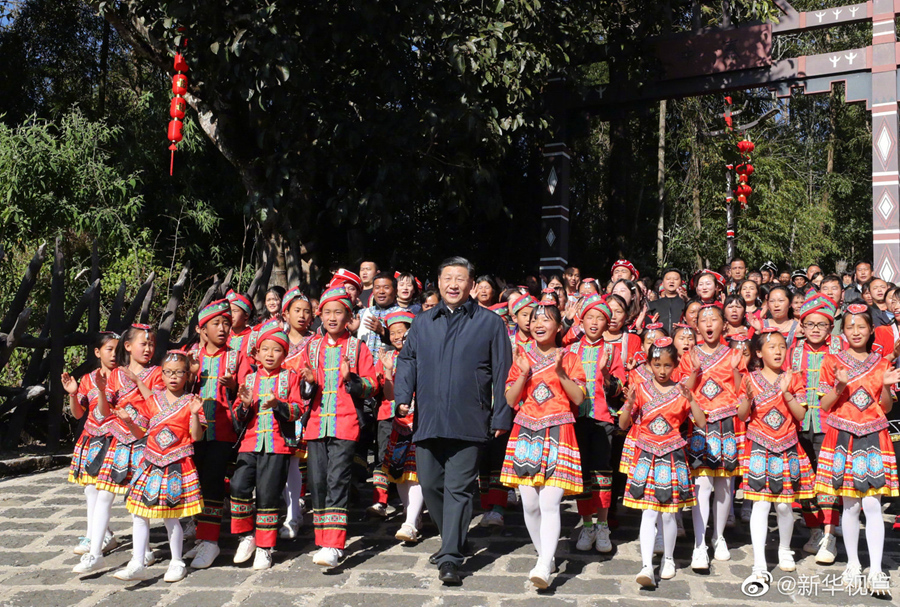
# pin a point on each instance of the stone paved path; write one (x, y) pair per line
(41, 517)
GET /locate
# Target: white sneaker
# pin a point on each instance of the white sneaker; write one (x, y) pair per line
(721, 550)
(88, 564)
(263, 559)
(815, 540)
(407, 533)
(761, 578)
(679, 522)
(700, 559)
(289, 530)
(645, 578)
(540, 575)
(327, 557)
(176, 572)
(193, 551)
(746, 510)
(206, 553)
(109, 542)
(658, 546)
(602, 544)
(83, 546)
(378, 510)
(491, 519)
(586, 539)
(132, 572)
(667, 570)
(852, 577)
(879, 584)
(512, 498)
(786, 559)
(827, 550)
(190, 530)
(245, 549)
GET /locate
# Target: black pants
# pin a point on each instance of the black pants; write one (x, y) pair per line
(212, 459)
(448, 472)
(267, 474)
(380, 485)
(329, 462)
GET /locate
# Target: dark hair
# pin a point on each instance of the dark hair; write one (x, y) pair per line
(721, 310)
(657, 351)
(558, 277)
(387, 276)
(740, 286)
(691, 301)
(637, 299)
(104, 337)
(787, 295)
(458, 262)
(570, 270)
(735, 299)
(553, 295)
(862, 262)
(832, 278)
(740, 259)
(593, 284)
(661, 330)
(428, 293)
(672, 269)
(123, 358)
(756, 344)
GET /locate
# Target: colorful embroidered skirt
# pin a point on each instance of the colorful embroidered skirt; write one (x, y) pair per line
(172, 491)
(121, 464)
(776, 477)
(628, 449)
(90, 451)
(857, 466)
(548, 457)
(659, 482)
(399, 464)
(715, 450)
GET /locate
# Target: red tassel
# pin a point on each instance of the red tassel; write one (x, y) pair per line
(172, 160)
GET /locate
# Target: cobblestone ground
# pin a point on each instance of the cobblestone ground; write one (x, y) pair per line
(41, 517)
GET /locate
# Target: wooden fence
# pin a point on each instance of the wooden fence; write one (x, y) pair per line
(35, 408)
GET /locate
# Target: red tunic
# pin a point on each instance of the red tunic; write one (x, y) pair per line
(271, 430)
(715, 390)
(169, 431)
(771, 423)
(596, 405)
(238, 341)
(625, 347)
(216, 397)
(122, 392)
(858, 408)
(333, 412)
(543, 399)
(661, 415)
(386, 408)
(95, 424)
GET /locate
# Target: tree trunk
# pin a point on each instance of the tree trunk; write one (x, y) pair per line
(695, 190)
(104, 70)
(661, 185)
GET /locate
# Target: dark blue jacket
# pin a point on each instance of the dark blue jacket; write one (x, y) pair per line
(456, 365)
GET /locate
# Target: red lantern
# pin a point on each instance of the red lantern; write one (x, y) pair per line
(750, 146)
(179, 84)
(177, 108)
(742, 178)
(743, 200)
(745, 168)
(180, 63)
(744, 190)
(175, 134)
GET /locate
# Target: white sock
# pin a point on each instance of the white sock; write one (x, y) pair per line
(759, 529)
(550, 498)
(785, 517)
(176, 537)
(531, 508)
(102, 512)
(703, 489)
(871, 505)
(670, 532)
(292, 490)
(90, 495)
(850, 523)
(648, 536)
(723, 503)
(414, 503)
(140, 538)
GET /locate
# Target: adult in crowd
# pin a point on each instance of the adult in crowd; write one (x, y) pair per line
(862, 273)
(372, 330)
(367, 272)
(670, 305)
(446, 348)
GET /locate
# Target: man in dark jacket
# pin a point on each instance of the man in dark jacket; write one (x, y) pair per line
(454, 363)
(670, 305)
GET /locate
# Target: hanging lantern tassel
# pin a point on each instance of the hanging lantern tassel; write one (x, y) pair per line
(177, 107)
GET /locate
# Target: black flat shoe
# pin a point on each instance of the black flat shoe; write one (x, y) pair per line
(449, 575)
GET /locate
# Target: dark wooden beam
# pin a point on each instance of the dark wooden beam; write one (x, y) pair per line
(21, 298)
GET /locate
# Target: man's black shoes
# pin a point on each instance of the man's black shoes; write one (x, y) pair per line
(449, 574)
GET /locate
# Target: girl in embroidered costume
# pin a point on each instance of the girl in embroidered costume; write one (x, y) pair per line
(269, 404)
(298, 314)
(340, 369)
(545, 386)
(399, 463)
(125, 453)
(167, 485)
(595, 425)
(857, 460)
(775, 467)
(658, 477)
(92, 445)
(715, 378)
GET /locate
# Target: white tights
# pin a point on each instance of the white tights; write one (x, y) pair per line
(99, 518)
(871, 505)
(413, 501)
(759, 528)
(292, 491)
(141, 538)
(541, 508)
(705, 487)
(669, 529)
(90, 495)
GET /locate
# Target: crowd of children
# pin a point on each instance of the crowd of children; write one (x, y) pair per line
(659, 395)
